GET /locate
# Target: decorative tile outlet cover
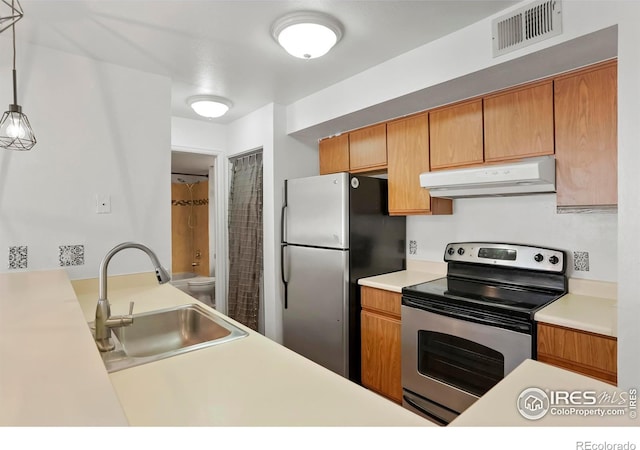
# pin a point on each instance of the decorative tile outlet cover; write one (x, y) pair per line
(18, 257)
(413, 247)
(581, 261)
(71, 255)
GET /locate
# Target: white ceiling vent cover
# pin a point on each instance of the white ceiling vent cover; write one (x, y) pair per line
(525, 26)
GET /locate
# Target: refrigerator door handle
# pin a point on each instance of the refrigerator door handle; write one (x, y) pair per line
(283, 211)
(282, 272)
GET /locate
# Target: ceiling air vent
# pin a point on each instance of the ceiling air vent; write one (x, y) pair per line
(525, 26)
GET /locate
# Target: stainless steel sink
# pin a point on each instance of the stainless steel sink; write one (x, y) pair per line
(164, 333)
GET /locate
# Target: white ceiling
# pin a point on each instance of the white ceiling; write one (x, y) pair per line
(225, 48)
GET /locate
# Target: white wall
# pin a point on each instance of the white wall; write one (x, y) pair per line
(613, 246)
(101, 129)
(524, 220)
(198, 134)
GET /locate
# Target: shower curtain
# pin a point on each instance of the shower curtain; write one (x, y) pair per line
(245, 240)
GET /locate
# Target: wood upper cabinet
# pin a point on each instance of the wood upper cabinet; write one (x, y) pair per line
(456, 135)
(368, 148)
(408, 154)
(587, 353)
(519, 123)
(586, 111)
(380, 342)
(333, 154)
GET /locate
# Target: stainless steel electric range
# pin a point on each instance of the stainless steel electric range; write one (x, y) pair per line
(463, 333)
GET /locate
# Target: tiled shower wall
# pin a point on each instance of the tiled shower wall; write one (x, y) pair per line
(190, 228)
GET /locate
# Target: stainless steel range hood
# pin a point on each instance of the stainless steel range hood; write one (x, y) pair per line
(528, 176)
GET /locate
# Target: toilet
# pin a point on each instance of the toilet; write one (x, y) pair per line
(202, 289)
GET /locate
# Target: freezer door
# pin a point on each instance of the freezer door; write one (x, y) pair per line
(316, 318)
(316, 211)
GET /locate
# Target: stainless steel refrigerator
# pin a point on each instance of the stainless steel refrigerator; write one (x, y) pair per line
(335, 230)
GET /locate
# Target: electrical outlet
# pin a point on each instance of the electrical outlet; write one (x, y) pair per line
(413, 247)
(581, 261)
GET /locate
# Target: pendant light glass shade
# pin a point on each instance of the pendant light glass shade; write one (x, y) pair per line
(15, 130)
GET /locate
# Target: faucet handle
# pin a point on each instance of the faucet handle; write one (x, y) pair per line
(131, 308)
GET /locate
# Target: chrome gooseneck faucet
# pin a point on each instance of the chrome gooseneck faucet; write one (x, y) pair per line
(104, 321)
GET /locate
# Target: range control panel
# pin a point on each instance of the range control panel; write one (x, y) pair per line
(509, 255)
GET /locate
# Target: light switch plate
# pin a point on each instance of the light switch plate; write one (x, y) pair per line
(103, 204)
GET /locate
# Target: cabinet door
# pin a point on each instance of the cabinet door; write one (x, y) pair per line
(587, 353)
(408, 147)
(455, 135)
(586, 111)
(381, 353)
(519, 123)
(334, 154)
(368, 148)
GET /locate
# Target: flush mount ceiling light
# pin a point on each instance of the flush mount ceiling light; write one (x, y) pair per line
(15, 129)
(209, 106)
(307, 34)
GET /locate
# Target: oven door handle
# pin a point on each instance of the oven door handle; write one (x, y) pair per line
(461, 314)
(439, 420)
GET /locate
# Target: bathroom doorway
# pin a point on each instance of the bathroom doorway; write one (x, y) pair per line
(194, 226)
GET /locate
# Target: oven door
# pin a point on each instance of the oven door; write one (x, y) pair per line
(451, 362)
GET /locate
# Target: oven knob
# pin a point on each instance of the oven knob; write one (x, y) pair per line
(538, 257)
(460, 251)
(450, 251)
(554, 259)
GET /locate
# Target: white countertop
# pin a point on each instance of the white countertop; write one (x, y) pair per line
(498, 407)
(50, 372)
(594, 314)
(252, 381)
(395, 281)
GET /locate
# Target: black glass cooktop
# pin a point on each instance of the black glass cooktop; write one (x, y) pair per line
(480, 295)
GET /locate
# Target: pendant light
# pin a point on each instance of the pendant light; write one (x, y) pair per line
(15, 129)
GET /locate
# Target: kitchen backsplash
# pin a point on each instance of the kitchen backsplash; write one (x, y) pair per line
(590, 240)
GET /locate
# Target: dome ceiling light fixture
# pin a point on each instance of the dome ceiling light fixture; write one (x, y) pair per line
(209, 106)
(307, 34)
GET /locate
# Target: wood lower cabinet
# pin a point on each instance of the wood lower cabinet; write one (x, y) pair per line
(333, 154)
(408, 157)
(586, 111)
(518, 123)
(368, 148)
(456, 136)
(587, 353)
(380, 340)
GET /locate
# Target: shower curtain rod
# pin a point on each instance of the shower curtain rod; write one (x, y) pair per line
(189, 174)
(257, 151)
